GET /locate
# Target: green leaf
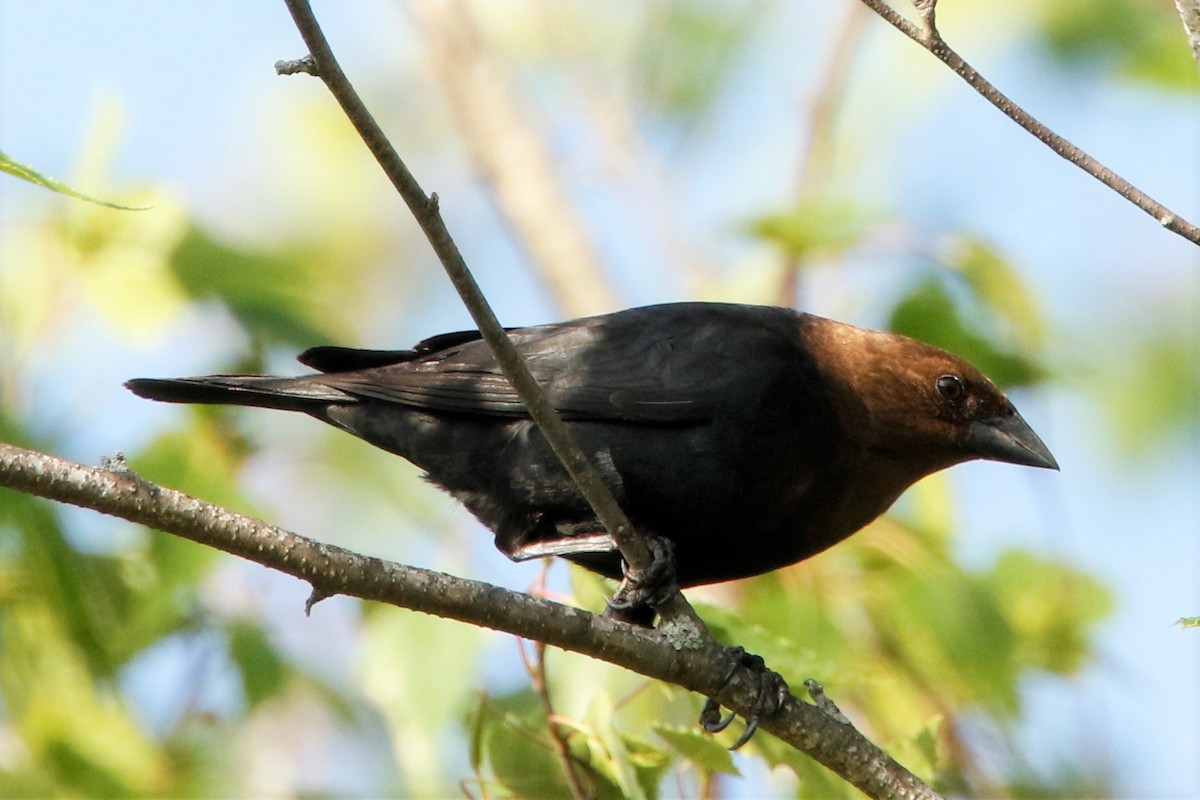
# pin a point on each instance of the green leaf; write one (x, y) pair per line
(1053, 608)
(588, 589)
(813, 227)
(702, 749)
(71, 727)
(262, 668)
(609, 751)
(920, 753)
(950, 627)
(28, 173)
(816, 782)
(978, 308)
(1151, 383)
(693, 43)
(278, 298)
(513, 737)
(419, 672)
(1133, 39)
(201, 459)
(84, 592)
(997, 287)
(777, 649)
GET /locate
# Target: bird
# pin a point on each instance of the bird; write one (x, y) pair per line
(749, 437)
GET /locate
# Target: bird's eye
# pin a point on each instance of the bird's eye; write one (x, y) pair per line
(950, 387)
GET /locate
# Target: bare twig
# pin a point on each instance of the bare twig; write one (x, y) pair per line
(536, 667)
(333, 570)
(297, 66)
(633, 548)
(512, 158)
(928, 37)
(1189, 13)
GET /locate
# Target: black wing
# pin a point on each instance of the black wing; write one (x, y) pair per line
(659, 364)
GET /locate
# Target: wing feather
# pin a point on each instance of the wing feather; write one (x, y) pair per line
(633, 366)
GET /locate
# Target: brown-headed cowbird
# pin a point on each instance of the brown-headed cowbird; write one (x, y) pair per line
(751, 437)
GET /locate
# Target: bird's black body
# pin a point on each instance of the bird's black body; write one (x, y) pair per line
(727, 429)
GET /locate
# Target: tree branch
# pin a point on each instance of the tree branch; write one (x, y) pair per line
(926, 35)
(633, 547)
(1189, 13)
(331, 570)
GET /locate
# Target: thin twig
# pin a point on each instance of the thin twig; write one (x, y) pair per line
(425, 210)
(928, 37)
(1189, 14)
(536, 668)
(333, 570)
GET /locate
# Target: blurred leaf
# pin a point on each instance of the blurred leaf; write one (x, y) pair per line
(816, 782)
(420, 673)
(611, 754)
(689, 49)
(1151, 384)
(812, 228)
(921, 752)
(260, 664)
(978, 308)
(80, 739)
(278, 298)
(1138, 39)
(702, 749)
(513, 737)
(929, 313)
(476, 724)
(779, 651)
(997, 286)
(201, 749)
(85, 593)
(1053, 609)
(122, 263)
(27, 173)
(30, 288)
(949, 630)
(588, 589)
(202, 459)
(515, 751)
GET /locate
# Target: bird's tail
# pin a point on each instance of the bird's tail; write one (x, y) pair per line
(306, 394)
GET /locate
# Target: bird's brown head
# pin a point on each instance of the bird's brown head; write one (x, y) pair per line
(902, 398)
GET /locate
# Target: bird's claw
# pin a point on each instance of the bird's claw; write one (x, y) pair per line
(772, 691)
(653, 586)
(710, 716)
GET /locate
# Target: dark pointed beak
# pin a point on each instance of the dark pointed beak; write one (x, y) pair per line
(1010, 439)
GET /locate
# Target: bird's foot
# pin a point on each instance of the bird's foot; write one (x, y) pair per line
(641, 593)
(772, 691)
